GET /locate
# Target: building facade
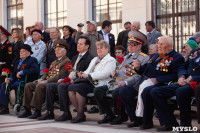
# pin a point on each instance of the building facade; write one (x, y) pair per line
(178, 18)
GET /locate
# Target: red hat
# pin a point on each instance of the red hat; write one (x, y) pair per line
(4, 31)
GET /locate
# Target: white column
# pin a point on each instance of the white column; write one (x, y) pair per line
(134, 10)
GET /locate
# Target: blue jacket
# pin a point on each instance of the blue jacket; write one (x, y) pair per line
(29, 66)
(193, 66)
(151, 69)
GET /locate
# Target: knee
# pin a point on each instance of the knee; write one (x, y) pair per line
(71, 93)
(122, 93)
(197, 89)
(96, 91)
(62, 87)
(154, 93)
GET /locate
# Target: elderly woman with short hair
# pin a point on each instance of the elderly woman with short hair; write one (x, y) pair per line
(99, 70)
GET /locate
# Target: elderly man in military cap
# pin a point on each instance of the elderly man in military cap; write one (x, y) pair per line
(24, 66)
(124, 76)
(57, 70)
(39, 48)
(6, 52)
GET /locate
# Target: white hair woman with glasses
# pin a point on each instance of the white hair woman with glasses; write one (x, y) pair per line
(99, 70)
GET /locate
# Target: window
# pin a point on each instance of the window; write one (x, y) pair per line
(15, 14)
(108, 10)
(55, 13)
(177, 18)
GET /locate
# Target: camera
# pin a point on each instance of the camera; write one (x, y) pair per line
(80, 25)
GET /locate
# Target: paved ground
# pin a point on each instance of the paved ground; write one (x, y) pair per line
(11, 124)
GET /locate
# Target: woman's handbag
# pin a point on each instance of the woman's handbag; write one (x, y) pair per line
(81, 80)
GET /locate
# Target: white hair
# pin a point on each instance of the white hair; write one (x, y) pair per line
(168, 40)
(138, 22)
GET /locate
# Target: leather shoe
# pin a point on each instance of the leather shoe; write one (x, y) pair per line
(94, 109)
(4, 110)
(85, 109)
(146, 126)
(135, 123)
(165, 128)
(25, 114)
(119, 120)
(47, 116)
(35, 115)
(65, 116)
(106, 119)
(78, 119)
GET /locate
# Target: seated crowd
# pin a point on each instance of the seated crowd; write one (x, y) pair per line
(140, 72)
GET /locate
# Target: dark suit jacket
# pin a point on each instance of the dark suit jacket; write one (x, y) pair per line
(16, 51)
(72, 47)
(50, 56)
(111, 42)
(29, 66)
(45, 37)
(123, 38)
(84, 61)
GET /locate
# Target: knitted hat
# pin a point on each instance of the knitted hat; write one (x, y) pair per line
(192, 44)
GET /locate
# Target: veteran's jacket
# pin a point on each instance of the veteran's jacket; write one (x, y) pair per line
(192, 66)
(56, 70)
(163, 69)
(126, 70)
(6, 54)
(29, 67)
(101, 69)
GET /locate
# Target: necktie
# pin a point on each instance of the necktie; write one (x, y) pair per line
(77, 60)
(50, 45)
(129, 56)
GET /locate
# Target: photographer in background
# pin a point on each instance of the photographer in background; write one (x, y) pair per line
(92, 34)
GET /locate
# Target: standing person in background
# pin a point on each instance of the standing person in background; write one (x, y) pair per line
(67, 36)
(153, 33)
(45, 36)
(28, 34)
(18, 38)
(127, 25)
(92, 34)
(74, 34)
(39, 49)
(51, 56)
(109, 37)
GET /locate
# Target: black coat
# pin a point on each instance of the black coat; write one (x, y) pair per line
(16, 50)
(45, 37)
(72, 47)
(29, 66)
(123, 38)
(111, 42)
(6, 54)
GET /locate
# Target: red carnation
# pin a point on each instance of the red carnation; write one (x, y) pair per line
(67, 80)
(46, 70)
(119, 59)
(69, 67)
(193, 84)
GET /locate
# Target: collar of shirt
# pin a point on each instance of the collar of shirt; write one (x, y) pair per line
(42, 31)
(152, 31)
(3, 42)
(131, 54)
(35, 44)
(54, 39)
(82, 54)
(105, 36)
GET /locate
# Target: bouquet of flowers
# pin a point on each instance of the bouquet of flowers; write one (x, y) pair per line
(67, 80)
(7, 71)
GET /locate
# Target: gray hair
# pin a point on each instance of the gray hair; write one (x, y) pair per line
(138, 22)
(168, 40)
(155, 46)
(196, 35)
(103, 43)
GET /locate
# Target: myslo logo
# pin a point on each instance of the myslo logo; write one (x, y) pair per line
(184, 129)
